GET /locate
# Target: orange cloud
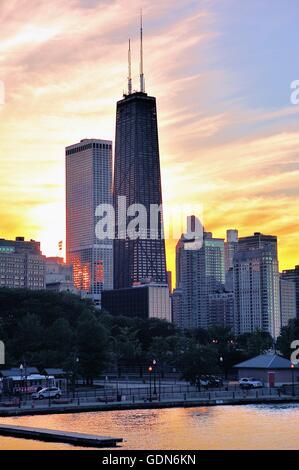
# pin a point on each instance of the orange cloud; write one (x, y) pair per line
(64, 67)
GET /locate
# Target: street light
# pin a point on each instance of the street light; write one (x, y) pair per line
(76, 362)
(49, 394)
(150, 369)
(293, 379)
(154, 367)
(21, 388)
(221, 360)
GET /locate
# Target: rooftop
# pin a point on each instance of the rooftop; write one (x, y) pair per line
(265, 361)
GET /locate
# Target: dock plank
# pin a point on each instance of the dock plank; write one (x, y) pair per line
(52, 435)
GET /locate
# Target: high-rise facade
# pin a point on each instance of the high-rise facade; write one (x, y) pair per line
(59, 275)
(256, 290)
(230, 248)
(142, 301)
(88, 184)
(199, 273)
(293, 275)
(177, 313)
(22, 265)
(137, 178)
(139, 255)
(221, 309)
(288, 308)
(259, 241)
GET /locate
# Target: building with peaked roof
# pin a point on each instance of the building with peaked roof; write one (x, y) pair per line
(16, 372)
(271, 369)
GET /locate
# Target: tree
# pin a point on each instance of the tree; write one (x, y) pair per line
(58, 343)
(161, 349)
(288, 334)
(91, 347)
(256, 343)
(126, 348)
(28, 339)
(198, 360)
(39, 327)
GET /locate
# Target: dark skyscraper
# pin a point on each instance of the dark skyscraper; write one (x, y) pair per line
(137, 177)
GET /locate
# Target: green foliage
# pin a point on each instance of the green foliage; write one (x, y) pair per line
(46, 329)
(255, 343)
(197, 360)
(288, 334)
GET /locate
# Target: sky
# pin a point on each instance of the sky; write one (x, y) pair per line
(221, 71)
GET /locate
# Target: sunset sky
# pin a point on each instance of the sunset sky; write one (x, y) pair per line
(221, 71)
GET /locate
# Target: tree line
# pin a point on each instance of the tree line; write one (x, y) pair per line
(46, 329)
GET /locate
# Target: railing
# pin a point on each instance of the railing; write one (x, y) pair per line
(135, 395)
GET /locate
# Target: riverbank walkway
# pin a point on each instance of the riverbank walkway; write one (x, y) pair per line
(212, 398)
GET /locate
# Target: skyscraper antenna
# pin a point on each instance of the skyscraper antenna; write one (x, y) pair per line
(130, 70)
(142, 84)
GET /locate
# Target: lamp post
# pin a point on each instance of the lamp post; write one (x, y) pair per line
(154, 367)
(49, 394)
(21, 388)
(25, 377)
(221, 364)
(293, 379)
(76, 362)
(150, 369)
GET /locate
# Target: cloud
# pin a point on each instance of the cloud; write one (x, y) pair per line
(64, 66)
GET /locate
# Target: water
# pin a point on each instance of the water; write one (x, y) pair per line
(221, 427)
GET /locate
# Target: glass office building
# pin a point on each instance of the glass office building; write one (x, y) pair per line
(199, 273)
(88, 184)
(137, 178)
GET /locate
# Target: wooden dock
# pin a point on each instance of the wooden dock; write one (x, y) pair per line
(50, 435)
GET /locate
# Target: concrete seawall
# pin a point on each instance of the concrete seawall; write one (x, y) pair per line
(72, 408)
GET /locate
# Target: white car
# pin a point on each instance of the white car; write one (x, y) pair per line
(250, 382)
(50, 392)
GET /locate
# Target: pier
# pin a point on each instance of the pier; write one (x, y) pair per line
(50, 435)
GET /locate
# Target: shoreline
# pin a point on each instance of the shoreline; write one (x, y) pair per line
(122, 406)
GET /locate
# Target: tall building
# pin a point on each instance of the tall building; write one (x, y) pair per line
(169, 281)
(221, 309)
(256, 289)
(177, 313)
(22, 265)
(293, 275)
(137, 178)
(230, 248)
(287, 300)
(259, 241)
(59, 275)
(88, 184)
(142, 301)
(199, 273)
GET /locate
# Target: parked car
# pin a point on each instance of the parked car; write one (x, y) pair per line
(215, 381)
(250, 382)
(50, 392)
(210, 381)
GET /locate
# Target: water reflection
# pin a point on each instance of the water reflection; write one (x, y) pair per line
(222, 427)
